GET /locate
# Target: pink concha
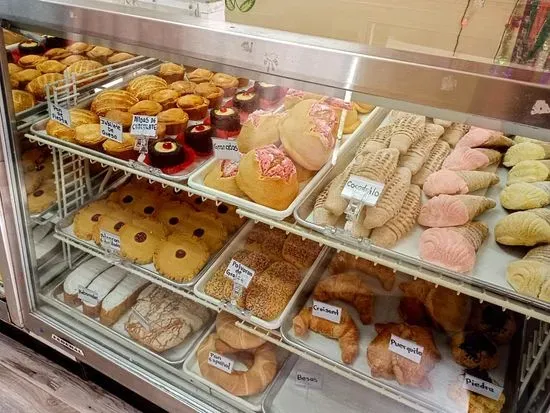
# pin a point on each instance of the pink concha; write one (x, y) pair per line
(465, 159)
(474, 138)
(443, 211)
(445, 182)
(447, 248)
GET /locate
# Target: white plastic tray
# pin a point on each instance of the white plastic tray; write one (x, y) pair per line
(369, 123)
(445, 373)
(252, 403)
(237, 244)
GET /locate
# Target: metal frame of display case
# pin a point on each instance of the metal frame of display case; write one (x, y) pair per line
(453, 89)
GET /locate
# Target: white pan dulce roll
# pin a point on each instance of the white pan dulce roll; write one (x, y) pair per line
(234, 336)
(239, 383)
(267, 176)
(308, 133)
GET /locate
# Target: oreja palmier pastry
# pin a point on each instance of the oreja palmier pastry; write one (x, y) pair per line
(119, 116)
(89, 135)
(57, 53)
(113, 99)
(26, 75)
(144, 86)
(222, 177)
(213, 93)
(175, 120)
(184, 87)
(79, 48)
(146, 108)
(38, 85)
(51, 66)
(268, 177)
(69, 60)
(200, 75)
(30, 61)
(119, 57)
(22, 100)
(228, 83)
(171, 72)
(166, 97)
(85, 68)
(121, 150)
(195, 106)
(199, 138)
(100, 53)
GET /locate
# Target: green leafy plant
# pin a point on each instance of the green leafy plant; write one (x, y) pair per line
(243, 6)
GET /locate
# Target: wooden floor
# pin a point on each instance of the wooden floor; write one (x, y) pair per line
(29, 383)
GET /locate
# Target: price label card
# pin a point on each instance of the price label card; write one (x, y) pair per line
(482, 387)
(226, 149)
(220, 362)
(144, 126)
(326, 311)
(88, 296)
(363, 190)
(110, 130)
(60, 114)
(408, 349)
(141, 319)
(239, 273)
(109, 241)
(310, 380)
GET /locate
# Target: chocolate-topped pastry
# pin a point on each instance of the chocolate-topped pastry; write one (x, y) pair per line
(166, 152)
(246, 101)
(269, 94)
(199, 138)
(474, 349)
(30, 47)
(54, 41)
(226, 121)
(499, 325)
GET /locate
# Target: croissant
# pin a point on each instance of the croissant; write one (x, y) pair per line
(346, 331)
(411, 306)
(438, 154)
(348, 287)
(458, 182)
(419, 152)
(531, 274)
(342, 262)
(525, 195)
(529, 171)
(524, 228)
(525, 151)
(453, 210)
(400, 225)
(407, 130)
(454, 133)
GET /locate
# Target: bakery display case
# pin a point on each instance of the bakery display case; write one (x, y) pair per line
(225, 217)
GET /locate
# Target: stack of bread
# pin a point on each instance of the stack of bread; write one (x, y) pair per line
(176, 233)
(279, 262)
(39, 179)
(259, 357)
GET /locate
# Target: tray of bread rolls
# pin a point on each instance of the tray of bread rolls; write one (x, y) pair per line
(378, 308)
(162, 323)
(440, 208)
(166, 237)
(255, 364)
(272, 179)
(304, 386)
(281, 266)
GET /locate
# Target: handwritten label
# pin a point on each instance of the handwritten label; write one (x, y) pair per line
(110, 130)
(226, 149)
(408, 349)
(60, 114)
(239, 273)
(144, 125)
(220, 362)
(363, 190)
(88, 296)
(327, 311)
(310, 380)
(141, 319)
(490, 390)
(109, 241)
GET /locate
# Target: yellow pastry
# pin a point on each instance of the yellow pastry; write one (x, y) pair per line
(79, 48)
(57, 53)
(119, 57)
(111, 100)
(146, 108)
(31, 60)
(51, 66)
(144, 86)
(89, 135)
(228, 83)
(184, 87)
(200, 75)
(524, 228)
(22, 100)
(213, 93)
(166, 97)
(171, 72)
(37, 86)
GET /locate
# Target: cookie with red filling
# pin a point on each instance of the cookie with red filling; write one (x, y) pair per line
(137, 244)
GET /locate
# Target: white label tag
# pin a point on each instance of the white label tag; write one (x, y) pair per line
(482, 387)
(65, 343)
(226, 149)
(60, 114)
(239, 273)
(111, 130)
(327, 311)
(363, 190)
(220, 362)
(144, 125)
(109, 241)
(141, 319)
(408, 349)
(310, 380)
(88, 296)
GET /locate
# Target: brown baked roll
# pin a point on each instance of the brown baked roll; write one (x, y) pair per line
(79, 48)
(26, 75)
(57, 53)
(228, 83)
(22, 100)
(144, 86)
(195, 106)
(69, 60)
(213, 93)
(146, 108)
(30, 61)
(111, 100)
(175, 120)
(166, 97)
(37, 86)
(184, 87)
(119, 57)
(51, 66)
(171, 72)
(200, 75)
(119, 116)
(100, 53)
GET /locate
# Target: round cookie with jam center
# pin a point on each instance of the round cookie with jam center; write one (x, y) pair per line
(127, 195)
(43, 198)
(146, 205)
(204, 227)
(174, 212)
(151, 225)
(112, 222)
(228, 216)
(137, 244)
(87, 218)
(180, 258)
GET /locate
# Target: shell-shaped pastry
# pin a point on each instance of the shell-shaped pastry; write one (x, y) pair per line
(525, 195)
(525, 151)
(143, 86)
(449, 182)
(530, 275)
(524, 228)
(453, 210)
(111, 100)
(529, 171)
